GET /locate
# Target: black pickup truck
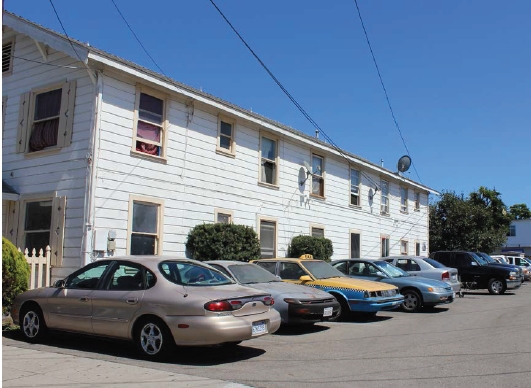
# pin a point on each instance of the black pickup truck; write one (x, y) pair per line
(475, 273)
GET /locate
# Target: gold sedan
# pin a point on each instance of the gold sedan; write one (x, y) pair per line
(158, 302)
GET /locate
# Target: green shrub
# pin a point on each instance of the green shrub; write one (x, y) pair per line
(15, 274)
(223, 242)
(321, 248)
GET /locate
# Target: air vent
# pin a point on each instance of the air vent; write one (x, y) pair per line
(7, 52)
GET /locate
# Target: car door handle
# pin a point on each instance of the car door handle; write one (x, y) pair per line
(132, 301)
(84, 299)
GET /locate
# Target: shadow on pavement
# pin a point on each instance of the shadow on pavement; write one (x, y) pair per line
(300, 329)
(69, 343)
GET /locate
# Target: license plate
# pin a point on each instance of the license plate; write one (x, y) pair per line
(454, 277)
(259, 327)
(327, 312)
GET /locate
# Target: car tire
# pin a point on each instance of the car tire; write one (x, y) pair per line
(412, 301)
(153, 338)
(344, 309)
(32, 324)
(496, 286)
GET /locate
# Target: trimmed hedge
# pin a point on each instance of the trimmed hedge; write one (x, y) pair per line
(15, 274)
(223, 242)
(321, 248)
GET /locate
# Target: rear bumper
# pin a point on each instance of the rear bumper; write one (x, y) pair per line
(456, 286)
(212, 330)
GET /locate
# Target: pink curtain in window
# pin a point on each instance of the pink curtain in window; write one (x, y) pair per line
(149, 132)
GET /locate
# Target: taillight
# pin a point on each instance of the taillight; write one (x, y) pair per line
(222, 305)
(446, 276)
(269, 301)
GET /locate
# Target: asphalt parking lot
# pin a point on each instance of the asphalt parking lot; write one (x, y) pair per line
(480, 340)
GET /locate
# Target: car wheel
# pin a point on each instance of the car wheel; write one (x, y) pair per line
(412, 301)
(496, 286)
(344, 309)
(32, 323)
(153, 338)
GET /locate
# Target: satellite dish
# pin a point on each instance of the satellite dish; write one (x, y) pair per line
(404, 163)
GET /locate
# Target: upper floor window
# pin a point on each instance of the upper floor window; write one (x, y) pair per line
(226, 143)
(354, 187)
(46, 117)
(145, 231)
(384, 205)
(512, 231)
(417, 201)
(268, 160)
(149, 127)
(7, 57)
(403, 199)
(317, 175)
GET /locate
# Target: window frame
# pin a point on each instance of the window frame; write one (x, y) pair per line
(417, 201)
(384, 195)
(386, 238)
(220, 211)
(276, 161)
(141, 89)
(5, 42)
(261, 219)
(358, 186)
(417, 248)
(404, 247)
(320, 176)
(66, 117)
(512, 231)
(222, 150)
(160, 223)
(404, 202)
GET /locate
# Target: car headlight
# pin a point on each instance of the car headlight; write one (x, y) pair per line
(436, 289)
(292, 300)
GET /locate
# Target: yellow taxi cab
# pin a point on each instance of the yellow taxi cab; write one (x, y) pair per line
(354, 295)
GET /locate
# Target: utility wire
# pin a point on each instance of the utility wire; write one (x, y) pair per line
(67, 37)
(137, 39)
(288, 94)
(384, 89)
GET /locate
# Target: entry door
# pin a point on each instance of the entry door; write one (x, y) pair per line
(70, 308)
(117, 302)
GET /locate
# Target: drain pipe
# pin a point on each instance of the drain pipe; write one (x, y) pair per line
(90, 187)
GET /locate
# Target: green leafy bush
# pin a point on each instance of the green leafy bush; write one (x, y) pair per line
(223, 242)
(321, 248)
(15, 274)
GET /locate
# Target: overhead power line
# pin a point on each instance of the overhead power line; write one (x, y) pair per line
(384, 89)
(288, 94)
(64, 30)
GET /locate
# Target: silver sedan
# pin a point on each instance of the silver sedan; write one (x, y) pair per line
(428, 268)
(296, 304)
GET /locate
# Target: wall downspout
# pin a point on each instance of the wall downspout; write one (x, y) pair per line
(90, 187)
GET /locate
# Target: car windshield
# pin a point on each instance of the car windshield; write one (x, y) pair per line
(321, 270)
(251, 273)
(486, 257)
(434, 263)
(390, 270)
(191, 274)
(479, 259)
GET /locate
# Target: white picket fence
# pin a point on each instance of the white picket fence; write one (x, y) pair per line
(39, 267)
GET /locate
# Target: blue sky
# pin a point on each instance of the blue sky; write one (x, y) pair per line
(458, 73)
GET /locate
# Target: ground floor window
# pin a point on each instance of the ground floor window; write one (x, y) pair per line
(37, 225)
(145, 226)
(355, 250)
(268, 239)
(403, 247)
(417, 248)
(385, 246)
(317, 231)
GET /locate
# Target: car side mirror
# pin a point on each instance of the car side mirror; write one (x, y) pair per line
(305, 278)
(380, 274)
(59, 283)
